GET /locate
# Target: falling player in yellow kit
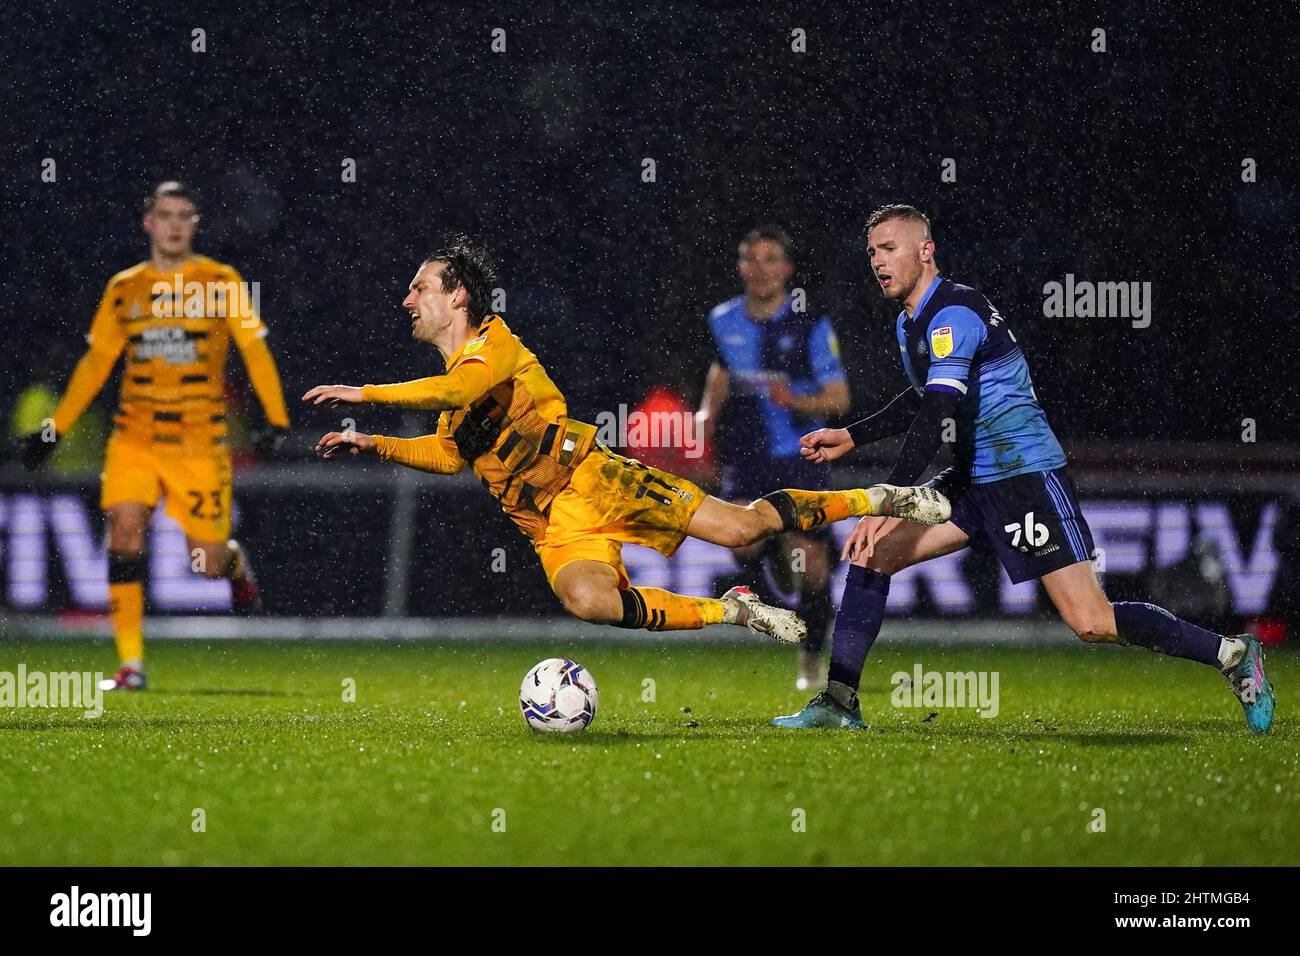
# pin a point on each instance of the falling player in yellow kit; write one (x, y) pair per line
(575, 500)
(174, 315)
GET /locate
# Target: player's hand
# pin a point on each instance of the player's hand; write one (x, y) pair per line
(334, 394)
(779, 394)
(349, 442)
(33, 449)
(268, 440)
(861, 543)
(825, 444)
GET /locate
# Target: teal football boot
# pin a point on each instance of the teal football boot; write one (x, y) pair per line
(1251, 687)
(824, 711)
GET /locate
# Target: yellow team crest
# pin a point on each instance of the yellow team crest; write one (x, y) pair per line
(473, 345)
(941, 342)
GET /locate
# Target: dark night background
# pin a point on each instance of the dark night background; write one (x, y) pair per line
(1115, 167)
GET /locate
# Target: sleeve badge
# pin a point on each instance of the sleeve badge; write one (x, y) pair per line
(941, 342)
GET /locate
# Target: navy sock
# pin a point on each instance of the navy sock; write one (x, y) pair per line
(1155, 628)
(857, 624)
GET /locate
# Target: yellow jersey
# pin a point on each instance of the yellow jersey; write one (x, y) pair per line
(501, 414)
(175, 328)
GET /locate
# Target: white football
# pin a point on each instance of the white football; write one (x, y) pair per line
(558, 695)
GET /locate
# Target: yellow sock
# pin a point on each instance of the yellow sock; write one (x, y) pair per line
(658, 610)
(805, 510)
(126, 601)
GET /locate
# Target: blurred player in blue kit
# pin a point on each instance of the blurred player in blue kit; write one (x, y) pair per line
(776, 376)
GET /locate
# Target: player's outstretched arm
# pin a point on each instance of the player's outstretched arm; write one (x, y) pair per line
(334, 395)
(432, 453)
(484, 362)
(457, 389)
(894, 419)
(826, 444)
(345, 443)
(434, 394)
(925, 436)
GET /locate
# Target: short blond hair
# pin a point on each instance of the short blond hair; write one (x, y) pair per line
(898, 211)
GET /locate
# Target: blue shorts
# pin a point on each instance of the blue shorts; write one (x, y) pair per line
(1032, 521)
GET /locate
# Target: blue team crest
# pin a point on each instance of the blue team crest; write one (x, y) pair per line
(921, 347)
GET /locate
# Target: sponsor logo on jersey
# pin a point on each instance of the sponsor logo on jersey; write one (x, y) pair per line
(941, 341)
(473, 345)
(167, 342)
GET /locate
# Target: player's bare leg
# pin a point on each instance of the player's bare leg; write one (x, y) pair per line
(1077, 595)
(589, 590)
(228, 559)
(897, 545)
(791, 509)
(128, 524)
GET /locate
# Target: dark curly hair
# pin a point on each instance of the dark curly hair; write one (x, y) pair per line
(469, 266)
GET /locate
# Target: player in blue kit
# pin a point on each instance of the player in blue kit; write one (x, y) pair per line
(777, 375)
(1009, 485)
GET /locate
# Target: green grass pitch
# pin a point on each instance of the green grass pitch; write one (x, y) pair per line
(432, 764)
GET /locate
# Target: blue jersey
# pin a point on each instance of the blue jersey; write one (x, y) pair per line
(797, 346)
(957, 341)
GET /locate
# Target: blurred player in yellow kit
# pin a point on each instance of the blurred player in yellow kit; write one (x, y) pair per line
(174, 315)
(573, 498)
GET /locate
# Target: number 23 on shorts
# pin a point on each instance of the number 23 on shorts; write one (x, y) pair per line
(199, 499)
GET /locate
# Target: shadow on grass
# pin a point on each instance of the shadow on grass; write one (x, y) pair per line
(995, 737)
(225, 692)
(714, 729)
(751, 729)
(118, 723)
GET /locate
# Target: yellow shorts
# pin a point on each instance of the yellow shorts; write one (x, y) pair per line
(612, 500)
(197, 488)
